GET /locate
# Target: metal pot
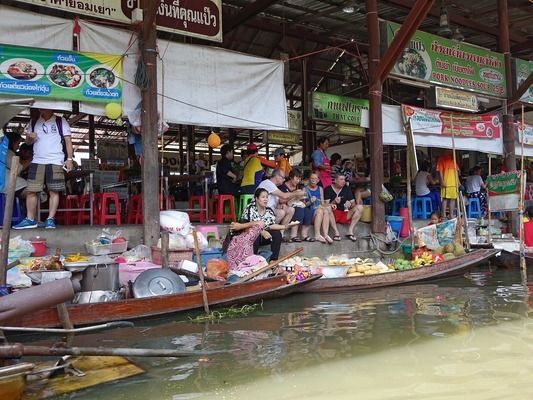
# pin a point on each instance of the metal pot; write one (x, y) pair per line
(100, 277)
(97, 296)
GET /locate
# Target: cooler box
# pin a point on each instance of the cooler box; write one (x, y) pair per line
(130, 271)
(208, 254)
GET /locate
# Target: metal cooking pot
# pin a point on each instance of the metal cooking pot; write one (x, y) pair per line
(100, 277)
(97, 296)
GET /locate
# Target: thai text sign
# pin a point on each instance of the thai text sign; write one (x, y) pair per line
(485, 126)
(523, 69)
(333, 108)
(350, 130)
(455, 99)
(525, 134)
(504, 191)
(281, 137)
(60, 74)
(198, 18)
(434, 59)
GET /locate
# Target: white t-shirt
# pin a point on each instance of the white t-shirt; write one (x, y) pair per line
(269, 186)
(47, 148)
(473, 183)
(421, 183)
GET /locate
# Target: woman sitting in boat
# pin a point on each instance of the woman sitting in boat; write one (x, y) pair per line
(257, 227)
(528, 230)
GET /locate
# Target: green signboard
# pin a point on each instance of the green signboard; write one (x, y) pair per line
(333, 108)
(504, 191)
(60, 74)
(522, 70)
(442, 61)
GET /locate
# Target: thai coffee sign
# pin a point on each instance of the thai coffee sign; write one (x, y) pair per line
(442, 61)
(333, 108)
(60, 74)
(504, 191)
(197, 18)
(522, 70)
(483, 126)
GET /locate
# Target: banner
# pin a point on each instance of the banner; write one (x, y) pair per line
(333, 108)
(484, 126)
(281, 137)
(435, 59)
(455, 99)
(525, 134)
(504, 191)
(60, 74)
(196, 18)
(522, 70)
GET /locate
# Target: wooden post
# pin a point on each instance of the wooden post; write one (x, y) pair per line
(92, 153)
(489, 234)
(200, 271)
(8, 215)
(522, 195)
(409, 205)
(150, 173)
(458, 226)
(164, 248)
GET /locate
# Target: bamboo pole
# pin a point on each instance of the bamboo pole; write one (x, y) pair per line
(409, 135)
(164, 248)
(489, 216)
(200, 271)
(522, 194)
(458, 230)
(271, 265)
(8, 214)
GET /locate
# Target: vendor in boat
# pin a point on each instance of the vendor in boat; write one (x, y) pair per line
(528, 230)
(257, 227)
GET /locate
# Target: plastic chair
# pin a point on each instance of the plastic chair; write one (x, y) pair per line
(84, 202)
(109, 208)
(200, 214)
(473, 208)
(219, 202)
(422, 207)
(16, 216)
(135, 210)
(205, 229)
(400, 202)
(244, 200)
(71, 201)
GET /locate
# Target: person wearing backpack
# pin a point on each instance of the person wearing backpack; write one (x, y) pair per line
(52, 153)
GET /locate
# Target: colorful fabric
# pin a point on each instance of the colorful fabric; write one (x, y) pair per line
(447, 167)
(252, 165)
(241, 247)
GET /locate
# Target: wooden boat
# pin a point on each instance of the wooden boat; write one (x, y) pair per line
(511, 259)
(452, 267)
(218, 294)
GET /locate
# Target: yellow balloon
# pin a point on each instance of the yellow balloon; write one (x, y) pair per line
(113, 110)
(213, 140)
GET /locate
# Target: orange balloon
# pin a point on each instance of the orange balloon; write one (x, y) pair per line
(213, 140)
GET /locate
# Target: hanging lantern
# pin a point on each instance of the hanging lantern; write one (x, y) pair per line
(213, 140)
(113, 110)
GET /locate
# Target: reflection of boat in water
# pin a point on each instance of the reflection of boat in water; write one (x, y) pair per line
(218, 294)
(456, 266)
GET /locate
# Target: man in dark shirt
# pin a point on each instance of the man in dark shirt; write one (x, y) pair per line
(226, 175)
(343, 207)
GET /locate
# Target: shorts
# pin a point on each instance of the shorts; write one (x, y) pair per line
(51, 174)
(341, 217)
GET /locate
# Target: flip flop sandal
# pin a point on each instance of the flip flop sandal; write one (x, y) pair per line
(328, 239)
(352, 238)
(337, 238)
(310, 239)
(296, 240)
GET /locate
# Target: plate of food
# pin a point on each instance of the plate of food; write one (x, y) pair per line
(101, 76)
(414, 63)
(22, 69)
(65, 75)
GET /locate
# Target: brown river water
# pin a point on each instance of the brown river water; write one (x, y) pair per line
(465, 337)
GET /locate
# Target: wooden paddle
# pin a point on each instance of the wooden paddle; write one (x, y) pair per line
(200, 271)
(269, 266)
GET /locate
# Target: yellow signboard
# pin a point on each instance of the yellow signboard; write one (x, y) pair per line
(456, 99)
(350, 130)
(281, 137)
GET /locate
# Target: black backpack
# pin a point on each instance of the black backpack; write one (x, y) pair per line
(59, 125)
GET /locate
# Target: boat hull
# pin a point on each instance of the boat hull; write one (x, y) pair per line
(129, 309)
(511, 259)
(456, 266)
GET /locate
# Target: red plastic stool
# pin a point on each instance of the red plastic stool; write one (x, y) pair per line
(107, 200)
(200, 214)
(135, 209)
(169, 203)
(60, 215)
(85, 202)
(71, 201)
(220, 201)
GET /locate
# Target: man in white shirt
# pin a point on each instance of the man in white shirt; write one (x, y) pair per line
(284, 213)
(474, 183)
(50, 158)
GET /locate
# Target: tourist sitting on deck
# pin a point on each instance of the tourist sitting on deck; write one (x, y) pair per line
(301, 213)
(283, 212)
(257, 227)
(422, 179)
(474, 184)
(318, 214)
(336, 165)
(343, 207)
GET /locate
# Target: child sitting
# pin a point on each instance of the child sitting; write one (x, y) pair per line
(434, 218)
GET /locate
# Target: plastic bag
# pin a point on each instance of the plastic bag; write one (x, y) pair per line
(17, 278)
(217, 268)
(17, 243)
(175, 222)
(138, 253)
(202, 241)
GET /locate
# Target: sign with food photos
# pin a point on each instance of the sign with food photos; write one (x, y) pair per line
(60, 74)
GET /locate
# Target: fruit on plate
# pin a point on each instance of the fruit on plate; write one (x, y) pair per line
(72, 258)
(119, 239)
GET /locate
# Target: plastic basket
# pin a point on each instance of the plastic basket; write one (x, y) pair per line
(103, 249)
(173, 255)
(395, 224)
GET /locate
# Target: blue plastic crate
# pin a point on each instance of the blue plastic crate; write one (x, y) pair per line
(209, 254)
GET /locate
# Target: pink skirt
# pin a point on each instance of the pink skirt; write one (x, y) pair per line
(242, 246)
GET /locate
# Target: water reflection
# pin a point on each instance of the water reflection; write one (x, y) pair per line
(421, 333)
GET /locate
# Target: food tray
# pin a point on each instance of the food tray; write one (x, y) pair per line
(103, 249)
(39, 277)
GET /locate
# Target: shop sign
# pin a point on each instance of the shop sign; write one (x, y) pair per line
(294, 118)
(60, 74)
(333, 108)
(196, 18)
(504, 190)
(350, 130)
(455, 99)
(522, 70)
(171, 160)
(442, 61)
(484, 126)
(525, 134)
(281, 137)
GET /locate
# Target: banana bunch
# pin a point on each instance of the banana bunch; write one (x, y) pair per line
(426, 258)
